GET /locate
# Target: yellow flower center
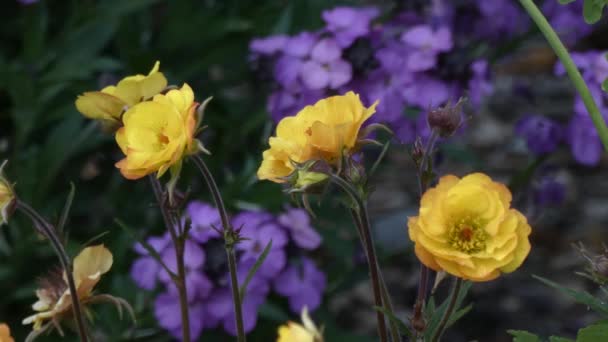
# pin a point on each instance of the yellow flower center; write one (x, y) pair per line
(467, 235)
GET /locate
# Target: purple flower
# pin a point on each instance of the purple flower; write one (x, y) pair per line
(256, 236)
(220, 310)
(297, 223)
(145, 270)
(549, 192)
(204, 218)
(426, 92)
(268, 46)
(320, 76)
(597, 94)
(302, 284)
(348, 23)
(584, 142)
(27, 2)
(501, 18)
(405, 130)
(567, 20)
(287, 70)
(168, 314)
(284, 103)
(194, 258)
(300, 45)
(542, 134)
(426, 44)
(479, 85)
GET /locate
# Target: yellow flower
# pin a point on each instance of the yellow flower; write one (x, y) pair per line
(324, 131)
(7, 197)
(295, 332)
(54, 300)
(108, 104)
(157, 134)
(467, 228)
(5, 333)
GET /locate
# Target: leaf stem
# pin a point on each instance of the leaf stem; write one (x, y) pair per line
(370, 250)
(573, 72)
(230, 240)
(448, 311)
(46, 229)
(179, 245)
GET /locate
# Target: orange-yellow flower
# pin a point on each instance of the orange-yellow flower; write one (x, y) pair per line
(5, 333)
(157, 134)
(324, 131)
(295, 332)
(7, 197)
(467, 228)
(54, 300)
(108, 104)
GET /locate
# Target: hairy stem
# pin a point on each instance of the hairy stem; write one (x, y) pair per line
(386, 297)
(230, 239)
(448, 311)
(46, 229)
(179, 246)
(370, 250)
(573, 72)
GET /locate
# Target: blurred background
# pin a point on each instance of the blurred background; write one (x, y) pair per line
(263, 60)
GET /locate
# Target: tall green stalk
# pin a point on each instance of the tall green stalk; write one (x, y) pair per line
(573, 72)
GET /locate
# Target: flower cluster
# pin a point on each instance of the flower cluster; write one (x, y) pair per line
(286, 269)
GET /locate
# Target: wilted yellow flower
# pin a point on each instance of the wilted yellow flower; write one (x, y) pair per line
(324, 131)
(295, 332)
(467, 228)
(7, 197)
(54, 296)
(157, 134)
(108, 104)
(5, 333)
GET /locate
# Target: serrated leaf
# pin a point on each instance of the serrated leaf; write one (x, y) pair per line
(254, 269)
(592, 11)
(523, 336)
(593, 333)
(581, 297)
(402, 326)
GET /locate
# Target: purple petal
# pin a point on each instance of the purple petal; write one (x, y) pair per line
(300, 45)
(314, 75)
(268, 46)
(144, 272)
(286, 71)
(340, 73)
(418, 36)
(421, 61)
(326, 51)
(297, 222)
(158, 243)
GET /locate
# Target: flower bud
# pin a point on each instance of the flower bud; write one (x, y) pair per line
(600, 265)
(309, 180)
(309, 177)
(7, 197)
(446, 120)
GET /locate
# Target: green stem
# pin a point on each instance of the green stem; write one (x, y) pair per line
(179, 245)
(448, 311)
(386, 296)
(575, 76)
(370, 250)
(46, 229)
(230, 239)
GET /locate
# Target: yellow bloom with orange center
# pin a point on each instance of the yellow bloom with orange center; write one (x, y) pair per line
(324, 131)
(7, 197)
(5, 333)
(467, 228)
(157, 134)
(54, 300)
(108, 104)
(295, 332)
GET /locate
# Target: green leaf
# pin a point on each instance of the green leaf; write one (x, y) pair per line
(593, 333)
(458, 314)
(581, 297)
(565, 2)
(433, 322)
(592, 10)
(153, 253)
(605, 85)
(523, 336)
(254, 269)
(560, 339)
(66, 210)
(402, 326)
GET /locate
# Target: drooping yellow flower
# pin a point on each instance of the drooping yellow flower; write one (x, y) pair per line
(157, 134)
(7, 197)
(5, 333)
(324, 131)
(295, 332)
(54, 300)
(467, 228)
(108, 104)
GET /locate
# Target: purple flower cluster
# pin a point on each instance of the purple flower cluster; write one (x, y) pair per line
(581, 135)
(417, 60)
(286, 270)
